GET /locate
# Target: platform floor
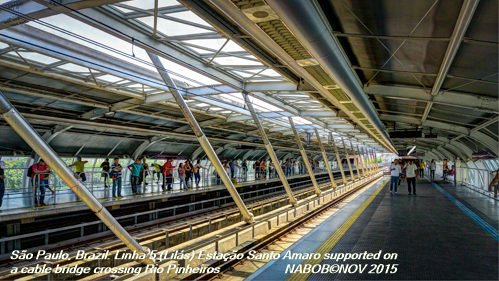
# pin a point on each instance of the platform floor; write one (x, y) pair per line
(435, 236)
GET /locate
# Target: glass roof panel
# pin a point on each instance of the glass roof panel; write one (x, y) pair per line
(172, 28)
(110, 78)
(189, 16)
(74, 68)
(233, 47)
(214, 44)
(38, 57)
(235, 61)
(149, 4)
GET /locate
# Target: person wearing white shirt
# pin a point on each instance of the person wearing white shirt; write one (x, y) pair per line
(433, 167)
(395, 171)
(412, 174)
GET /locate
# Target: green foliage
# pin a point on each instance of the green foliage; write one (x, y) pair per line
(14, 170)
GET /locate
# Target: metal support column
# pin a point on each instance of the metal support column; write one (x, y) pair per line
(305, 158)
(360, 161)
(270, 150)
(203, 140)
(325, 159)
(338, 159)
(355, 161)
(376, 168)
(366, 161)
(33, 139)
(348, 160)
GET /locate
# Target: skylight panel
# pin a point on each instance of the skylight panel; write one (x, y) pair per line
(110, 78)
(4, 46)
(189, 16)
(300, 121)
(74, 68)
(172, 28)
(235, 61)
(233, 47)
(243, 74)
(270, 72)
(39, 58)
(149, 4)
(214, 44)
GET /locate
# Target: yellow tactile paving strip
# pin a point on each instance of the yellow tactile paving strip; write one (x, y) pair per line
(242, 271)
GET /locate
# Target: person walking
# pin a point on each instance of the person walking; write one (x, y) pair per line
(136, 169)
(116, 176)
(421, 168)
(80, 168)
(168, 175)
(181, 175)
(395, 171)
(433, 167)
(105, 172)
(412, 174)
(196, 170)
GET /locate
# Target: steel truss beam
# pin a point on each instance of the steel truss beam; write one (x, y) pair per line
(467, 10)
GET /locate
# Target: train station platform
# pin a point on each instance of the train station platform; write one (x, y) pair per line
(444, 232)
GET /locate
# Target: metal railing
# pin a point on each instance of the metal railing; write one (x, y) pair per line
(473, 178)
(215, 202)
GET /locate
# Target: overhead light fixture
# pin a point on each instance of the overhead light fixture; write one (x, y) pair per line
(410, 151)
(307, 62)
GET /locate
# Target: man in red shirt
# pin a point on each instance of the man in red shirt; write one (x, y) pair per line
(168, 174)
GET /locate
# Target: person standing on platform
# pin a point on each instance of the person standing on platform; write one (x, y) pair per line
(116, 176)
(41, 171)
(445, 170)
(245, 168)
(257, 169)
(80, 168)
(2, 183)
(196, 170)
(157, 171)
(494, 183)
(181, 176)
(233, 169)
(402, 172)
(144, 173)
(188, 173)
(433, 167)
(136, 169)
(105, 172)
(412, 174)
(168, 174)
(263, 169)
(395, 171)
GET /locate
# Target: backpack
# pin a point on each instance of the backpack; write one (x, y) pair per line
(30, 171)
